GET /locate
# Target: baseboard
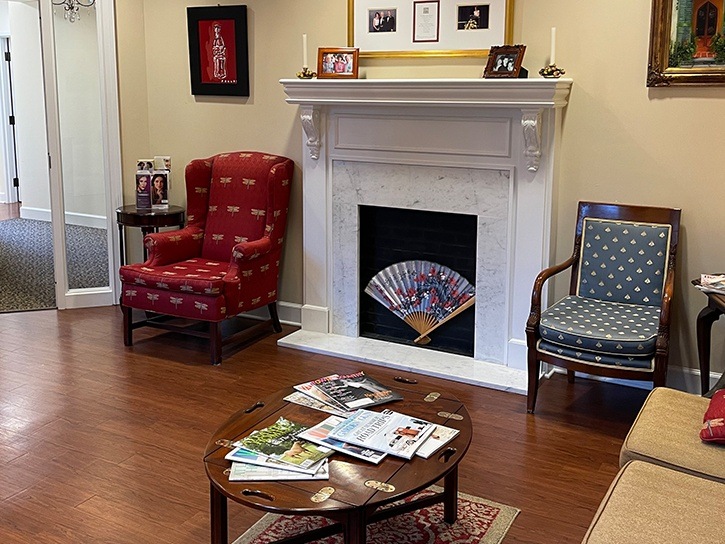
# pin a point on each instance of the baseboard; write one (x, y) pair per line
(289, 313)
(684, 379)
(79, 219)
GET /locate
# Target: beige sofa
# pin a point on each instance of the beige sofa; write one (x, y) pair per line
(671, 487)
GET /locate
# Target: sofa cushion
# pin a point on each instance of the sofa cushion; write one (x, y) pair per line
(666, 432)
(713, 428)
(649, 504)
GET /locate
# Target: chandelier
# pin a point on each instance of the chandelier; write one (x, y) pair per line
(72, 8)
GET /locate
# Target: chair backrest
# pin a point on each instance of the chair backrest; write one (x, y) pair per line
(237, 197)
(624, 253)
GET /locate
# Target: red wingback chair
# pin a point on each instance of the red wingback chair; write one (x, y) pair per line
(226, 260)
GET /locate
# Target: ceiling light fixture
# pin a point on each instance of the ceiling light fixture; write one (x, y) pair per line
(72, 8)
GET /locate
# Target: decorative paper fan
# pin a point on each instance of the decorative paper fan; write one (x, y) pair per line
(422, 293)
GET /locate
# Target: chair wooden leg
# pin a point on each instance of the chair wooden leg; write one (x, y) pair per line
(272, 306)
(570, 376)
(215, 339)
(127, 326)
(534, 370)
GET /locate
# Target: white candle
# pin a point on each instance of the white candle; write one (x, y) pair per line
(304, 50)
(552, 56)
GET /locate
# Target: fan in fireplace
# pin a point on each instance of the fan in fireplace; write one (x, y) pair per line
(422, 293)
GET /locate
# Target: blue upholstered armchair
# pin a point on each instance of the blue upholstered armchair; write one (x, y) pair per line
(615, 321)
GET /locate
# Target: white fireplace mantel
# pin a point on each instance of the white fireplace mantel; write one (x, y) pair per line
(474, 146)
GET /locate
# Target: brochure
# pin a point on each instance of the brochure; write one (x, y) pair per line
(319, 434)
(243, 471)
(357, 390)
(438, 438)
(242, 455)
(386, 431)
(279, 441)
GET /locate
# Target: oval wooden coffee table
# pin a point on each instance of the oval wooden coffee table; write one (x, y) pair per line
(352, 504)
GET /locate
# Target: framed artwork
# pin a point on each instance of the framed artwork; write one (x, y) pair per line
(339, 62)
(218, 55)
(687, 44)
(504, 61)
(428, 28)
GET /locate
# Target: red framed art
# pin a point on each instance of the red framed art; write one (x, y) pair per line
(218, 50)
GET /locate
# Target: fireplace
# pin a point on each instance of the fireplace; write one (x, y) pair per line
(389, 236)
(484, 149)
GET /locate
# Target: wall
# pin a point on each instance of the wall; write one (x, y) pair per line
(621, 141)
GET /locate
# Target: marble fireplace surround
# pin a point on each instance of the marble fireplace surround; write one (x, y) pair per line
(473, 146)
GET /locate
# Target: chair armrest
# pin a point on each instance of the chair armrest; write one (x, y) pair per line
(248, 251)
(535, 312)
(663, 331)
(173, 246)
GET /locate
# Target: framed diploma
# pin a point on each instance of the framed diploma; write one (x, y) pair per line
(426, 21)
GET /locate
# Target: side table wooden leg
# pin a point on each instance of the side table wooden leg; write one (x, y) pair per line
(705, 319)
(450, 496)
(354, 527)
(218, 516)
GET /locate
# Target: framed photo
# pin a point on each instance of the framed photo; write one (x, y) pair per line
(687, 44)
(428, 28)
(426, 21)
(339, 62)
(218, 54)
(504, 61)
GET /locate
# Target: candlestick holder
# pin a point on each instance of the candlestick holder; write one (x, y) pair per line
(552, 70)
(306, 73)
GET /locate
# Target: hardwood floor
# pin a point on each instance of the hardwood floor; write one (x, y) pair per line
(101, 443)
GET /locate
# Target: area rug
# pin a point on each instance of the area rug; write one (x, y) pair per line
(480, 521)
(26, 262)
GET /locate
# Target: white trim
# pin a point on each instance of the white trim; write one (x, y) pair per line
(8, 194)
(289, 313)
(79, 219)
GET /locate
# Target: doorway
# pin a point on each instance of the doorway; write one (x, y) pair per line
(69, 153)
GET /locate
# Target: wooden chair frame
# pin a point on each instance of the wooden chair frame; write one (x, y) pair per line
(624, 212)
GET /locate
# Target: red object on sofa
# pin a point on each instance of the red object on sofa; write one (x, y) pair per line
(226, 260)
(713, 427)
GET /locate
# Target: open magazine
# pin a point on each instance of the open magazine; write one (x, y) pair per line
(386, 431)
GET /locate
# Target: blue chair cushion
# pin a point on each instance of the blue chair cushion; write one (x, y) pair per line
(602, 359)
(604, 328)
(622, 261)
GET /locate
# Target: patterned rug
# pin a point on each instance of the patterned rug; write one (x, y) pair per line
(480, 521)
(26, 262)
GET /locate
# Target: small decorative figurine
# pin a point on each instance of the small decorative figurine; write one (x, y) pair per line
(306, 73)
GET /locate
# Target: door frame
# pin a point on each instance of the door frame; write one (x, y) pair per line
(105, 22)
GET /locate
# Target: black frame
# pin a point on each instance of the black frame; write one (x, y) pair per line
(238, 14)
(515, 51)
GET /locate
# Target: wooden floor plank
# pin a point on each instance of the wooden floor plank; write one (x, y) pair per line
(103, 443)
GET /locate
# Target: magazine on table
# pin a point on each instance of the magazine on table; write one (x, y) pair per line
(438, 438)
(311, 389)
(242, 455)
(305, 400)
(386, 431)
(357, 390)
(243, 471)
(279, 441)
(319, 434)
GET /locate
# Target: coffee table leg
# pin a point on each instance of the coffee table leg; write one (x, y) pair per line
(354, 527)
(450, 496)
(218, 521)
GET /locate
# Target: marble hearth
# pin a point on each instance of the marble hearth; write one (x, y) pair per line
(480, 147)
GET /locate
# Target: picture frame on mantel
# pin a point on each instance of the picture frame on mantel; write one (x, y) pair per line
(504, 61)
(434, 28)
(687, 45)
(218, 50)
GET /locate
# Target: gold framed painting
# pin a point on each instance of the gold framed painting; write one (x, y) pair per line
(428, 28)
(687, 43)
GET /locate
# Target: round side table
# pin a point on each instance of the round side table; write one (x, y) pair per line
(148, 221)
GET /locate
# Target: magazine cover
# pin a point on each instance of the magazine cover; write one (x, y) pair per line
(279, 441)
(241, 455)
(305, 400)
(160, 189)
(357, 390)
(311, 389)
(438, 438)
(242, 472)
(386, 431)
(319, 434)
(143, 190)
